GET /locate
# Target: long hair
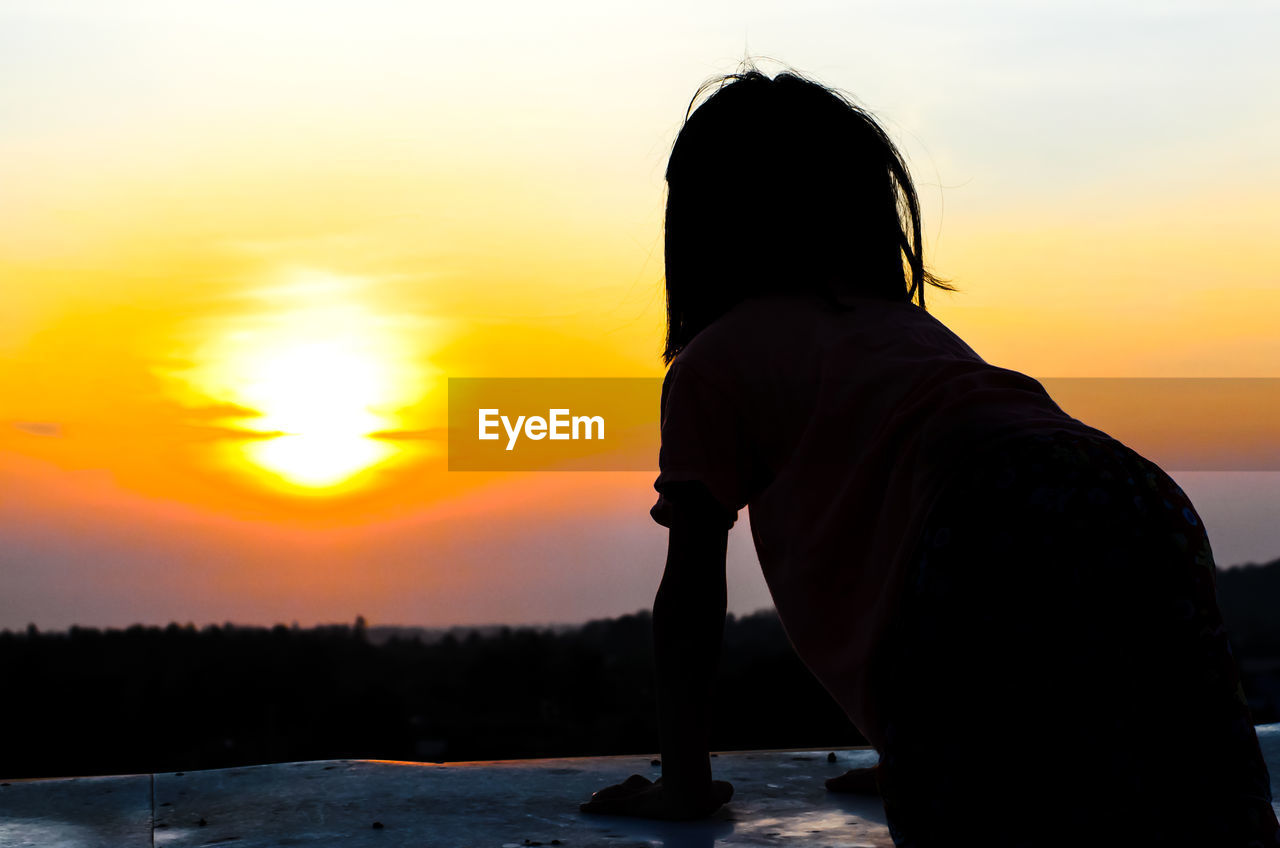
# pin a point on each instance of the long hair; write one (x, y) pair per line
(784, 185)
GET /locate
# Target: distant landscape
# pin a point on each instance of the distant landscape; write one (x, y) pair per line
(178, 698)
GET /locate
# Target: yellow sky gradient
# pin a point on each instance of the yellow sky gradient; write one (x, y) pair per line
(237, 222)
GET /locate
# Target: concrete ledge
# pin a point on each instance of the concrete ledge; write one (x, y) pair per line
(77, 811)
(504, 804)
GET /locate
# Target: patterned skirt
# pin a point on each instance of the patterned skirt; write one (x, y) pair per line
(1059, 673)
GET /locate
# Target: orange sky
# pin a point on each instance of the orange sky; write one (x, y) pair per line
(246, 220)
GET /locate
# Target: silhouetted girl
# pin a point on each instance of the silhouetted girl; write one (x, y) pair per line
(1017, 610)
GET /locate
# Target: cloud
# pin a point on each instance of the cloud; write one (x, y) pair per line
(215, 421)
(213, 432)
(433, 434)
(219, 411)
(39, 428)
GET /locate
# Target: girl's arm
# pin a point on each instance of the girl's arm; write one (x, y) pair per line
(688, 628)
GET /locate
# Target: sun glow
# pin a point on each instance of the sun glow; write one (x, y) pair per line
(319, 395)
(317, 373)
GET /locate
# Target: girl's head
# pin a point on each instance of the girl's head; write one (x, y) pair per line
(783, 185)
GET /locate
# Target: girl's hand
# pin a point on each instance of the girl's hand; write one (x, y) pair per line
(859, 781)
(638, 796)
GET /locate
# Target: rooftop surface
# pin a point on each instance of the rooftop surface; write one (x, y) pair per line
(779, 796)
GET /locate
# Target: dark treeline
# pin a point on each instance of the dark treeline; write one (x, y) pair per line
(177, 698)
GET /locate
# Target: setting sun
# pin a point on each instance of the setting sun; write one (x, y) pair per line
(317, 370)
(319, 395)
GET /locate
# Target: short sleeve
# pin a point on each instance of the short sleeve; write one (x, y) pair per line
(702, 441)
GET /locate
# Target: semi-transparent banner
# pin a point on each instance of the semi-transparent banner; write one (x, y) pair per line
(554, 424)
(611, 424)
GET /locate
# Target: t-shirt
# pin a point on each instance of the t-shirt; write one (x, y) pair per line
(838, 428)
